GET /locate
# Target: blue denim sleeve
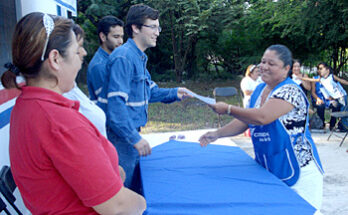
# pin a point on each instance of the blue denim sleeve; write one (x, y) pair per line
(165, 95)
(95, 80)
(119, 120)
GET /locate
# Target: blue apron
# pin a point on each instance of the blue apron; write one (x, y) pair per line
(273, 146)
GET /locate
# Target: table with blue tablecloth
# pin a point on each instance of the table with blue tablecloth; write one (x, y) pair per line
(181, 177)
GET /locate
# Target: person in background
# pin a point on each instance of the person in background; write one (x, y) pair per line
(60, 162)
(278, 121)
(297, 76)
(110, 34)
(249, 83)
(327, 92)
(89, 109)
(129, 90)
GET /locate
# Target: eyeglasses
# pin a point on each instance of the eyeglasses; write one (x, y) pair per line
(154, 27)
(49, 26)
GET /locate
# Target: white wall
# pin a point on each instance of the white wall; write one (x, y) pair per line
(49, 6)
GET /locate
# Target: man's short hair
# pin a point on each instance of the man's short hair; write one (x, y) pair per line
(106, 22)
(137, 15)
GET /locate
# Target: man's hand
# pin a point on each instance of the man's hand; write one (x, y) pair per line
(208, 138)
(220, 107)
(182, 93)
(143, 147)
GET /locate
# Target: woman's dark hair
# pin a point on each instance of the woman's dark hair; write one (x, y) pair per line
(284, 55)
(137, 15)
(106, 23)
(292, 65)
(283, 52)
(296, 61)
(78, 31)
(28, 44)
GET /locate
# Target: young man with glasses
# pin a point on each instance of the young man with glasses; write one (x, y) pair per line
(126, 96)
(110, 34)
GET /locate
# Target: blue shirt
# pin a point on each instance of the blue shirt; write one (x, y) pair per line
(128, 91)
(96, 73)
(318, 90)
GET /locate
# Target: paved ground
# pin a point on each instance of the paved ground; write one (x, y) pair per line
(335, 163)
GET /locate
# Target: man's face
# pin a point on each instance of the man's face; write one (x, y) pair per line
(114, 39)
(148, 33)
(323, 71)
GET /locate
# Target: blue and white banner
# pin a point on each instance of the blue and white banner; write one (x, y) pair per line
(7, 101)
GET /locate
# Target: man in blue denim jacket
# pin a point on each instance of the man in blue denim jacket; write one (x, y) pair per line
(110, 34)
(129, 89)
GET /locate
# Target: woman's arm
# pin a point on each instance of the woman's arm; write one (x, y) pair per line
(233, 128)
(342, 81)
(306, 84)
(309, 79)
(318, 101)
(270, 111)
(247, 92)
(124, 202)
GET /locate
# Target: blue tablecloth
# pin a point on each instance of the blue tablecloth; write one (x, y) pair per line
(183, 178)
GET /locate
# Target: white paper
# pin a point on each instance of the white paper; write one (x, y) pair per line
(207, 100)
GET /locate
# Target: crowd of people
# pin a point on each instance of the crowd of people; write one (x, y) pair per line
(71, 154)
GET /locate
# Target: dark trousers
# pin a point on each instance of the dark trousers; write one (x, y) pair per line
(321, 113)
(129, 160)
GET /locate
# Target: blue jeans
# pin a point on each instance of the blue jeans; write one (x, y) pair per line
(129, 160)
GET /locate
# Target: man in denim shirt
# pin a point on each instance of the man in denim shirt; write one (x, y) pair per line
(129, 90)
(110, 34)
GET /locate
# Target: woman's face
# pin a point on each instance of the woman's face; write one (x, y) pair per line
(296, 68)
(70, 65)
(272, 68)
(255, 74)
(82, 50)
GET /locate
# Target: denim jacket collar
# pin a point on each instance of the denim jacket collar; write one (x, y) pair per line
(134, 46)
(102, 52)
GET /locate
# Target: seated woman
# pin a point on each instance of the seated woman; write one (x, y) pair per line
(249, 83)
(297, 76)
(277, 119)
(59, 160)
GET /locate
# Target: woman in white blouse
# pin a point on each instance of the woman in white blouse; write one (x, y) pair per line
(249, 83)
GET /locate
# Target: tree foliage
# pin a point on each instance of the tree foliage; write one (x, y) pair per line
(220, 38)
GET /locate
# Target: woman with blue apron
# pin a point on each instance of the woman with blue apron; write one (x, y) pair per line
(278, 122)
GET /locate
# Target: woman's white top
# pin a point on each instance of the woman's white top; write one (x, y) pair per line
(296, 79)
(87, 108)
(333, 89)
(247, 84)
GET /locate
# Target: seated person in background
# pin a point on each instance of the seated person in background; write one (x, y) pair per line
(249, 83)
(277, 119)
(60, 162)
(297, 76)
(327, 92)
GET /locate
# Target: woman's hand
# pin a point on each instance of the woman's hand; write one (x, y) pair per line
(319, 101)
(220, 107)
(208, 137)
